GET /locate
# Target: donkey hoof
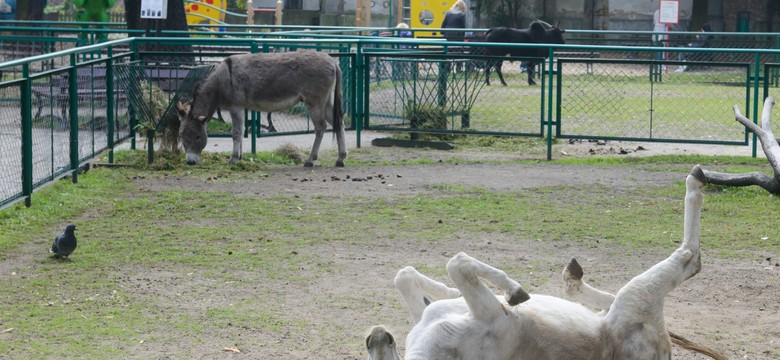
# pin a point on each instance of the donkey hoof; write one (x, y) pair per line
(339, 163)
(516, 297)
(308, 163)
(698, 174)
(574, 269)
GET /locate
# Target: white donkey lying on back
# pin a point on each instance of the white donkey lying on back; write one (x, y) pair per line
(470, 322)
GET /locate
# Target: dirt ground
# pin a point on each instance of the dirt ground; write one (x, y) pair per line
(732, 305)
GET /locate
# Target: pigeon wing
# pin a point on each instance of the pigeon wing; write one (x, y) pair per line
(67, 244)
(55, 246)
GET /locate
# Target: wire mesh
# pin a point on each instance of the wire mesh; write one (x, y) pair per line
(10, 144)
(454, 85)
(292, 120)
(627, 100)
(19, 47)
(51, 126)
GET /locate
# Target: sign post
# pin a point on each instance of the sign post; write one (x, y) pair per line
(669, 13)
(154, 9)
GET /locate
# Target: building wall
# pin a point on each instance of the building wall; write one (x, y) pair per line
(572, 14)
(756, 10)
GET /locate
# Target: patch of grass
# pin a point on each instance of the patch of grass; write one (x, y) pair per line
(163, 266)
(502, 143)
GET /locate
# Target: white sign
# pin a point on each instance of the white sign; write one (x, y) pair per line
(154, 9)
(670, 12)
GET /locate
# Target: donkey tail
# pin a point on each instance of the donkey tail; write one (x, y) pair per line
(689, 345)
(338, 113)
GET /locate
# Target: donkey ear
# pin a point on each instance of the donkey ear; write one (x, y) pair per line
(181, 107)
(201, 119)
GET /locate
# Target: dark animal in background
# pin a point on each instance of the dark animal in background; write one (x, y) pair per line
(64, 244)
(540, 32)
(269, 83)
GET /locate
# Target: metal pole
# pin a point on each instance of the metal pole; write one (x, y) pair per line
(359, 13)
(73, 113)
(278, 13)
(27, 153)
(250, 13)
(549, 102)
(110, 104)
(255, 122)
(756, 74)
(132, 119)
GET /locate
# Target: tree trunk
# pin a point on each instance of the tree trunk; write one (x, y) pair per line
(176, 20)
(30, 10)
(770, 146)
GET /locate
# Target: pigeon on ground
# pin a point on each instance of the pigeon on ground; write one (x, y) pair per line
(64, 243)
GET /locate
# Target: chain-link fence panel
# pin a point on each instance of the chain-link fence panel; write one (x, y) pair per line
(695, 42)
(771, 87)
(19, 47)
(92, 99)
(50, 125)
(10, 144)
(449, 92)
(651, 100)
(290, 121)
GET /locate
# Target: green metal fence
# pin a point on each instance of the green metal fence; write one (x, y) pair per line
(67, 116)
(74, 112)
(73, 107)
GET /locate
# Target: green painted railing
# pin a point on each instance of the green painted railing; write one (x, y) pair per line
(72, 109)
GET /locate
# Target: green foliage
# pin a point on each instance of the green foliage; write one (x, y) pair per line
(425, 116)
(156, 101)
(65, 7)
(218, 127)
(237, 4)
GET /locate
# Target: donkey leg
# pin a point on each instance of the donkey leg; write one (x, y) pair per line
(318, 118)
(237, 117)
(338, 130)
(419, 290)
(647, 290)
(499, 72)
(467, 274)
(531, 72)
(488, 66)
(579, 290)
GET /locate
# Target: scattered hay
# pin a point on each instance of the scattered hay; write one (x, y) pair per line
(291, 152)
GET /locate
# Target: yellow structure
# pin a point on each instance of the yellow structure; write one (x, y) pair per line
(427, 14)
(199, 13)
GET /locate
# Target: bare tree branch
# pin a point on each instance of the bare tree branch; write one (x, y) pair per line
(771, 149)
(765, 181)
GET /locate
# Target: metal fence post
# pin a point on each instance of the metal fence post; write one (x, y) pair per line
(133, 120)
(255, 122)
(549, 102)
(73, 114)
(756, 74)
(349, 94)
(110, 105)
(27, 153)
(361, 94)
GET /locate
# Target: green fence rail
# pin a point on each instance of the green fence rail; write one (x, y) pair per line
(74, 107)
